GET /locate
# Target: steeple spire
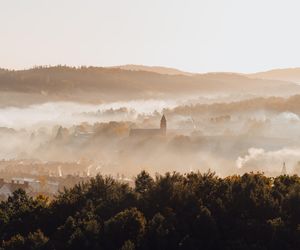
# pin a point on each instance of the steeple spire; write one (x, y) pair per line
(283, 171)
(163, 125)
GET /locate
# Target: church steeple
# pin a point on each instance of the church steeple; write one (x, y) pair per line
(163, 125)
(283, 171)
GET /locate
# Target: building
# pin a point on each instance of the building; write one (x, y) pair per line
(31, 186)
(162, 131)
(7, 189)
(35, 187)
(283, 170)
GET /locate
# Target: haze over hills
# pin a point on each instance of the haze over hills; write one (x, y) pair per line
(220, 121)
(154, 69)
(97, 84)
(289, 74)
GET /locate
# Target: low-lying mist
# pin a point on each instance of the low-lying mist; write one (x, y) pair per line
(270, 162)
(246, 134)
(70, 113)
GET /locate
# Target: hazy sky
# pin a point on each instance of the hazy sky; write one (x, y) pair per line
(193, 35)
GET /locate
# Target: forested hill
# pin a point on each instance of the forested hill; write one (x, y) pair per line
(288, 74)
(192, 211)
(94, 84)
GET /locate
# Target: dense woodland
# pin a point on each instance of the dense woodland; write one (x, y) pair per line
(173, 211)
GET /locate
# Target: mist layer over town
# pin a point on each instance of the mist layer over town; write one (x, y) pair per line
(84, 116)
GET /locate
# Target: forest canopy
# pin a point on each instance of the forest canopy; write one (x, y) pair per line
(171, 211)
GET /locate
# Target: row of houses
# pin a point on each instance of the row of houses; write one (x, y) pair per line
(31, 186)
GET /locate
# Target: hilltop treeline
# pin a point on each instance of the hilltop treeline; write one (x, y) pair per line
(267, 104)
(174, 211)
(97, 84)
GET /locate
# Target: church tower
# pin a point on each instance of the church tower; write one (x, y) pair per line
(163, 125)
(283, 171)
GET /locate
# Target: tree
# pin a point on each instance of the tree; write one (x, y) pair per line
(16, 242)
(37, 241)
(143, 182)
(127, 225)
(128, 245)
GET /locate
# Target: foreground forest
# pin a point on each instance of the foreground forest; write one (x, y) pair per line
(173, 211)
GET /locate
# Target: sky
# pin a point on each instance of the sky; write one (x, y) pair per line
(191, 35)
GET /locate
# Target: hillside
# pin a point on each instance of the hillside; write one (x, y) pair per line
(154, 69)
(272, 104)
(291, 75)
(95, 84)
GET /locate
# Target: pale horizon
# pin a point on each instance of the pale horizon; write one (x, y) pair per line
(144, 65)
(194, 36)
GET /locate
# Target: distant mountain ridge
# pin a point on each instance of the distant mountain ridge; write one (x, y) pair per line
(97, 84)
(288, 74)
(154, 69)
